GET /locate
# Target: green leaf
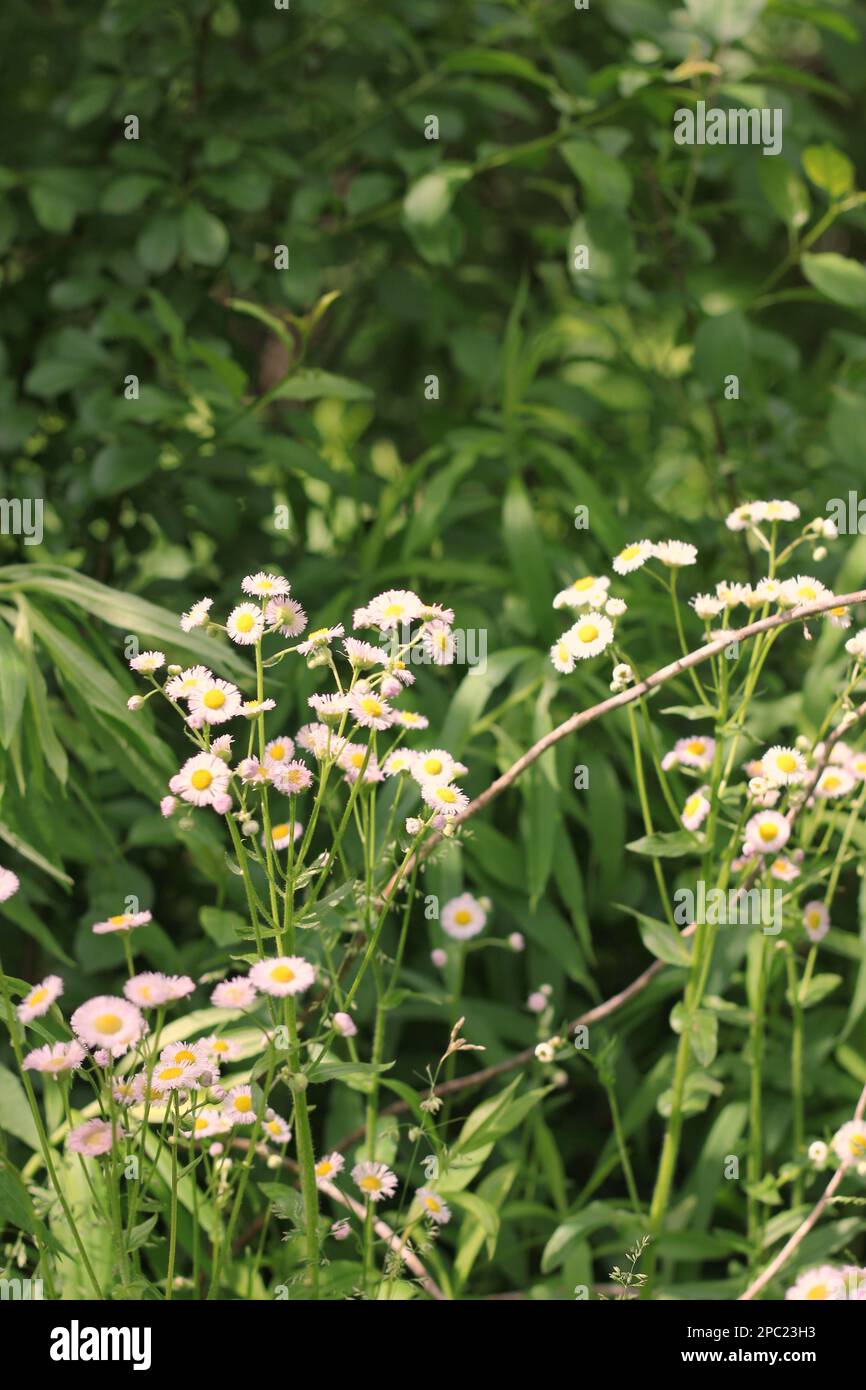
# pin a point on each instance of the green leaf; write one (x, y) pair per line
(128, 193)
(828, 168)
(13, 685)
(660, 938)
(15, 1109)
(721, 350)
(702, 1028)
(667, 844)
(311, 384)
(837, 277)
(430, 199)
(205, 238)
(785, 192)
(159, 242)
(606, 180)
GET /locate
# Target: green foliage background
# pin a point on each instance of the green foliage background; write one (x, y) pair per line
(271, 395)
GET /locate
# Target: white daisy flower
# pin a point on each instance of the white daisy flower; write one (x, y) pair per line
(363, 654)
(239, 1107)
(321, 638)
(202, 779)
(632, 556)
(856, 645)
(803, 589)
(369, 711)
(785, 869)
(276, 1129)
(833, 782)
(849, 1142)
(675, 554)
(194, 678)
(783, 766)
(375, 1180)
(589, 591)
(279, 750)
(39, 999)
(440, 644)
(352, 758)
(251, 771)
(562, 657)
(215, 702)
(463, 917)
(589, 635)
(236, 993)
(9, 885)
(281, 834)
(147, 662)
(434, 765)
(391, 609)
(329, 708)
(196, 616)
(219, 1048)
(401, 760)
(245, 624)
(53, 1058)
(823, 1282)
(779, 511)
(740, 517)
(122, 921)
(318, 740)
(695, 811)
(287, 616)
(109, 1022)
(172, 1076)
(327, 1168)
(411, 719)
(264, 585)
(285, 975)
(433, 1206)
(291, 778)
(769, 590)
(731, 594)
(447, 798)
(208, 1122)
(696, 752)
(766, 833)
(706, 606)
(816, 920)
(251, 709)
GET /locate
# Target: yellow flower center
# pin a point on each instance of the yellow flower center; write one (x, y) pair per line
(323, 1168)
(562, 652)
(462, 917)
(201, 1122)
(119, 920)
(767, 831)
(807, 592)
(107, 1023)
(184, 1055)
(214, 699)
(817, 1291)
(244, 622)
(832, 782)
(273, 1126)
(279, 831)
(170, 1073)
(692, 805)
(371, 706)
(432, 1205)
(201, 779)
(219, 1046)
(283, 974)
(587, 632)
(244, 1104)
(586, 583)
(631, 552)
(277, 752)
(370, 1183)
(447, 795)
(697, 747)
(394, 610)
(37, 997)
(357, 759)
(433, 766)
(786, 762)
(319, 635)
(857, 1145)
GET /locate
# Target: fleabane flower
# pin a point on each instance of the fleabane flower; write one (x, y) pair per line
(783, 766)
(146, 662)
(445, 797)
(319, 639)
(433, 1206)
(172, 1076)
(276, 1130)
(589, 591)
(110, 1022)
(439, 643)
(766, 833)
(121, 921)
(695, 811)
(93, 1138)
(803, 589)
(54, 1058)
(245, 624)
(345, 1025)
(562, 657)
(215, 702)
(769, 590)
(202, 779)
(282, 834)
(237, 993)
(330, 708)
(401, 760)
(390, 609)
(819, 1284)
(193, 678)
(283, 975)
(262, 585)
(706, 606)
(856, 645)
(209, 1121)
(197, 615)
(292, 777)
(375, 1180)
(675, 554)
(9, 885)
(778, 510)
(279, 750)
(287, 616)
(328, 1168)
(370, 711)
(785, 868)
(39, 999)
(589, 636)
(849, 1142)
(239, 1106)
(816, 920)
(697, 752)
(740, 517)
(632, 557)
(434, 765)
(220, 1049)
(463, 917)
(363, 654)
(833, 782)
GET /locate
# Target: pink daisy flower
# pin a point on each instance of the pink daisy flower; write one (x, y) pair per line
(329, 1167)
(202, 779)
(93, 1138)
(463, 917)
(276, 1129)
(433, 1206)
(239, 1106)
(122, 921)
(287, 616)
(766, 833)
(216, 702)
(110, 1022)
(237, 993)
(55, 1057)
(283, 975)
(9, 884)
(262, 585)
(291, 778)
(40, 998)
(196, 616)
(245, 624)
(375, 1180)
